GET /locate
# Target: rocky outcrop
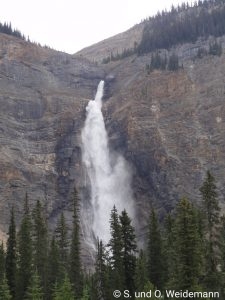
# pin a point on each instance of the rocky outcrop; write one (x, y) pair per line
(170, 126)
(43, 94)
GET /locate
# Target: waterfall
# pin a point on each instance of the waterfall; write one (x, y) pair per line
(108, 172)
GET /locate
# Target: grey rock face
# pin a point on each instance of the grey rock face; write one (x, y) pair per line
(43, 94)
(170, 126)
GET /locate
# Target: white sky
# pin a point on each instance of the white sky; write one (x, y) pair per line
(70, 25)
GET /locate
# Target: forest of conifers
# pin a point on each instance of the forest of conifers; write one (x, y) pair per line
(7, 29)
(185, 23)
(185, 252)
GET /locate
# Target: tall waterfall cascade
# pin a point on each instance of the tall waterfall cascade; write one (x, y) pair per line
(108, 172)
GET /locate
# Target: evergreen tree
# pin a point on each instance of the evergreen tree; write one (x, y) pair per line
(53, 270)
(222, 243)
(11, 258)
(7, 29)
(182, 25)
(34, 290)
(4, 290)
(173, 63)
(76, 275)
(100, 281)
(2, 262)
(188, 249)
(141, 276)
(149, 290)
(170, 251)
(64, 290)
(212, 210)
(85, 295)
(63, 244)
(40, 244)
(222, 247)
(155, 61)
(154, 252)
(116, 252)
(24, 253)
(215, 48)
(210, 202)
(129, 251)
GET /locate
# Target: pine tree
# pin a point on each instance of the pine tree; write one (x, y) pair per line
(173, 63)
(24, 253)
(129, 251)
(4, 290)
(11, 257)
(215, 48)
(222, 249)
(170, 251)
(116, 252)
(212, 210)
(40, 244)
(154, 252)
(34, 290)
(2, 262)
(210, 201)
(156, 61)
(149, 290)
(141, 276)
(76, 275)
(53, 269)
(85, 295)
(63, 244)
(100, 281)
(188, 248)
(64, 290)
(222, 243)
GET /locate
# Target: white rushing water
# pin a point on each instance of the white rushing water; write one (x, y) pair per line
(108, 172)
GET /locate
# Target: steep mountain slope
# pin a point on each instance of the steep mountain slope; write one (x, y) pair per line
(169, 125)
(43, 94)
(114, 45)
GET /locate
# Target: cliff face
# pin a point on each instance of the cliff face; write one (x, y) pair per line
(170, 126)
(43, 94)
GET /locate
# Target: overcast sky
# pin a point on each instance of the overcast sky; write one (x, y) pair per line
(70, 25)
